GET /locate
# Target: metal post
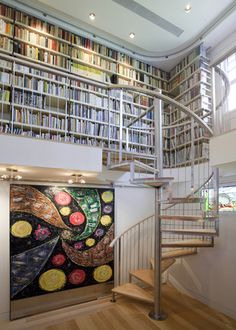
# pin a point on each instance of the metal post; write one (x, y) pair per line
(158, 135)
(127, 138)
(192, 156)
(216, 197)
(121, 126)
(156, 314)
(109, 130)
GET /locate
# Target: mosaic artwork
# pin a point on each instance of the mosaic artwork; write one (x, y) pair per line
(59, 238)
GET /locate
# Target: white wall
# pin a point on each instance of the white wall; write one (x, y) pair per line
(4, 248)
(226, 46)
(222, 149)
(26, 151)
(210, 276)
(132, 205)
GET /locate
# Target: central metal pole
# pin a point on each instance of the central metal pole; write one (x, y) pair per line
(157, 114)
(157, 314)
(121, 126)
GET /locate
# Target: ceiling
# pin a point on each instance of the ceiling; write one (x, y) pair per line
(162, 28)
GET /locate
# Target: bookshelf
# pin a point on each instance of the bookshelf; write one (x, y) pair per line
(41, 102)
(6, 29)
(52, 86)
(189, 84)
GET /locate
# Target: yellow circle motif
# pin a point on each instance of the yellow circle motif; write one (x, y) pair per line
(107, 196)
(52, 280)
(102, 273)
(106, 220)
(90, 241)
(21, 229)
(65, 210)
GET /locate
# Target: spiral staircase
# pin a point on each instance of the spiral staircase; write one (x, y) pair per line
(186, 201)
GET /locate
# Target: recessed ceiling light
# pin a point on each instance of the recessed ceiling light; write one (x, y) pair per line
(92, 16)
(70, 181)
(188, 8)
(18, 177)
(5, 177)
(82, 181)
(132, 35)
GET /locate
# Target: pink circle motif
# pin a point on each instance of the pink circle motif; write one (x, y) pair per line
(77, 218)
(41, 233)
(77, 276)
(58, 259)
(62, 198)
(78, 245)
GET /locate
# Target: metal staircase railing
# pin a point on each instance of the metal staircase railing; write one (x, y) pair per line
(186, 210)
(134, 248)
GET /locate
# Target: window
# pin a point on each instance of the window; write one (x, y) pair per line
(229, 68)
(227, 199)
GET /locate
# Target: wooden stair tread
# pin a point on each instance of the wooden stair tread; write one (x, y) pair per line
(191, 231)
(187, 243)
(182, 200)
(149, 168)
(153, 182)
(178, 253)
(133, 291)
(122, 166)
(147, 275)
(165, 263)
(144, 275)
(182, 217)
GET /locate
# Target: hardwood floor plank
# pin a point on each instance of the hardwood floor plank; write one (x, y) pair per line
(120, 320)
(68, 325)
(107, 320)
(85, 323)
(184, 313)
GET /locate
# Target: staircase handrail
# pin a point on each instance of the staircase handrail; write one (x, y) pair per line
(151, 216)
(194, 192)
(223, 76)
(167, 99)
(113, 242)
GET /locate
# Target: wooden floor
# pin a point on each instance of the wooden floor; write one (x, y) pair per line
(184, 313)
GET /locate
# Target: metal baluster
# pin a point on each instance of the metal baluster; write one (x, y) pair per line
(109, 130)
(121, 126)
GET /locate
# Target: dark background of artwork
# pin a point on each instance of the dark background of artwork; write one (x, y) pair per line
(19, 245)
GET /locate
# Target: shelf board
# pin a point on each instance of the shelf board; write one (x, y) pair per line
(39, 92)
(6, 18)
(41, 62)
(10, 36)
(49, 35)
(39, 127)
(28, 107)
(23, 73)
(42, 47)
